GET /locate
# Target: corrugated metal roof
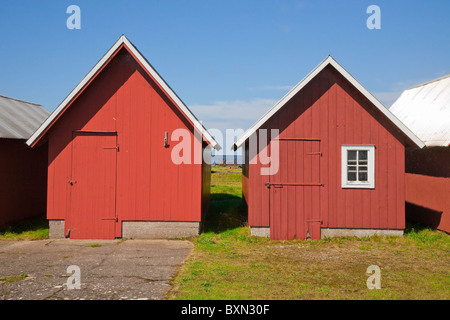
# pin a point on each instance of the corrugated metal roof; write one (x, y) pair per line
(20, 119)
(425, 109)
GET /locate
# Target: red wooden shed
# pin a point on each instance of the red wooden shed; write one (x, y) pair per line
(336, 162)
(425, 109)
(23, 171)
(111, 144)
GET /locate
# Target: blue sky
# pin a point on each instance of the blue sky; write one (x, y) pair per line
(228, 60)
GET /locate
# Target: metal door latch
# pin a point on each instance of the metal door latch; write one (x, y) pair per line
(116, 148)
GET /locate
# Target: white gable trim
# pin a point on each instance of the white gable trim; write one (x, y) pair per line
(149, 69)
(328, 61)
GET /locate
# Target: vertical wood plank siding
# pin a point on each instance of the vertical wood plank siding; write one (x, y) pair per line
(124, 99)
(427, 185)
(329, 108)
(23, 180)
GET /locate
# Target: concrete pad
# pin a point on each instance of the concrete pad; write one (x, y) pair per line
(114, 270)
(336, 232)
(159, 229)
(260, 231)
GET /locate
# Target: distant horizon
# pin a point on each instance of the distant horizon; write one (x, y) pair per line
(228, 157)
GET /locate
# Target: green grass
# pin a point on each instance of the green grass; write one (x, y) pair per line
(94, 245)
(14, 278)
(227, 263)
(425, 237)
(227, 168)
(31, 229)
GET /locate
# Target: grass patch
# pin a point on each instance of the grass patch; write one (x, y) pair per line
(228, 264)
(14, 278)
(426, 237)
(226, 168)
(94, 245)
(31, 229)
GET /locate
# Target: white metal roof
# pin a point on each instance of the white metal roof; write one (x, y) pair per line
(124, 41)
(329, 61)
(425, 109)
(19, 119)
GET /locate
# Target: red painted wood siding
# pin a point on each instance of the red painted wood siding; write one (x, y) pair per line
(295, 191)
(329, 108)
(23, 180)
(123, 98)
(430, 200)
(206, 180)
(93, 204)
(428, 185)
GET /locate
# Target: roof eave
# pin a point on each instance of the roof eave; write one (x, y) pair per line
(41, 131)
(330, 61)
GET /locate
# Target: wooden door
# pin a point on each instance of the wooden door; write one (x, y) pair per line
(93, 186)
(295, 191)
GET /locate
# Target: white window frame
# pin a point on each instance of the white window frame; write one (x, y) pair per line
(370, 183)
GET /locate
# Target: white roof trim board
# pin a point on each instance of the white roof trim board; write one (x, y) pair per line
(149, 69)
(19, 119)
(328, 61)
(425, 109)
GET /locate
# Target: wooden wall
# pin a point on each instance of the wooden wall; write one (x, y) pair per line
(124, 99)
(329, 108)
(23, 180)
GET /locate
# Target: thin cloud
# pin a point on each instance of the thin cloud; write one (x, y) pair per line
(224, 115)
(236, 115)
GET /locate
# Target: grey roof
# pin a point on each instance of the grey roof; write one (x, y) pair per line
(425, 109)
(20, 119)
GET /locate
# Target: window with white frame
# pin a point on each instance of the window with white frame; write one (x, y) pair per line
(358, 166)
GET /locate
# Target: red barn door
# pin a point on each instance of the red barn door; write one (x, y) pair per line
(93, 186)
(295, 191)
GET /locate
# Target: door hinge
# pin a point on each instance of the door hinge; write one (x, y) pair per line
(116, 219)
(319, 220)
(116, 147)
(314, 153)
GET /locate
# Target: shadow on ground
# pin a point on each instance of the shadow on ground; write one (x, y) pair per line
(32, 228)
(225, 212)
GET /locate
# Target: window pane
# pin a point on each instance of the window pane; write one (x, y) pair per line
(362, 154)
(362, 162)
(356, 162)
(362, 168)
(351, 154)
(351, 176)
(362, 176)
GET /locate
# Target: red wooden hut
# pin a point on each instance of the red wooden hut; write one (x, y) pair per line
(341, 162)
(23, 171)
(111, 171)
(425, 109)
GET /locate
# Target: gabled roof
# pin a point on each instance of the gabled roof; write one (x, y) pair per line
(425, 109)
(328, 61)
(123, 41)
(19, 119)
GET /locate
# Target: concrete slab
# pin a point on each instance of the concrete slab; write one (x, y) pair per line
(109, 269)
